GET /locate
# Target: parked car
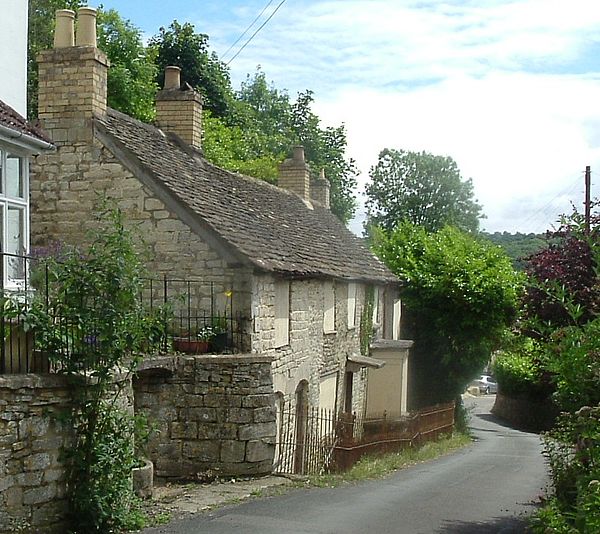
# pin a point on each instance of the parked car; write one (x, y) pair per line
(486, 384)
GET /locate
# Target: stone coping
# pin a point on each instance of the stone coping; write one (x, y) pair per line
(392, 344)
(33, 381)
(170, 362)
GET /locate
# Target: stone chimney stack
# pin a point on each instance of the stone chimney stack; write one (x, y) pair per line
(319, 189)
(179, 109)
(294, 174)
(72, 79)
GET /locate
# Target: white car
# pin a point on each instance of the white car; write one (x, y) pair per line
(486, 384)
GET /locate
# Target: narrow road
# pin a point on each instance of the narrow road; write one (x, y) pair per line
(485, 488)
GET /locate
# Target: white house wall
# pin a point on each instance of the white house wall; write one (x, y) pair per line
(13, 54)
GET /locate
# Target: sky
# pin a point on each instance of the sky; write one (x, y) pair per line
(508, 88)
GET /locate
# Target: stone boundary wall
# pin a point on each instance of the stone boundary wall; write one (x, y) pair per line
(526, 414)
(32, 477)
(212, 415)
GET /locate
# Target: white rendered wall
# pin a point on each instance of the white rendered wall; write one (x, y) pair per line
(13, 54)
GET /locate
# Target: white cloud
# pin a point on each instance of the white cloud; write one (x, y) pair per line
(496, 84)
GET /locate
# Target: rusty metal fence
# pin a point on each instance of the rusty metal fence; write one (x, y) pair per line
(315, 441)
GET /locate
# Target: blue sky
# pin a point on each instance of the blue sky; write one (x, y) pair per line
(509, 88)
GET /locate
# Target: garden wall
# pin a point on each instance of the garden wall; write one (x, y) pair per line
(212, 415)
(32, 477)
(524, 413)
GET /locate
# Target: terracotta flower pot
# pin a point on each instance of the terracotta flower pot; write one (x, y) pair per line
(190, 346)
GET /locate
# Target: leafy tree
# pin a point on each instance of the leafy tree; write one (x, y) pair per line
(181, 46)
(563, 277)
(132, 73)
(264, 125)
(41, 37)
(460, 294)
(421, 188)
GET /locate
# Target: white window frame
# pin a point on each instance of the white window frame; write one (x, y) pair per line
(282, 313)
(328, 307)
(7, 202)
(351, 305)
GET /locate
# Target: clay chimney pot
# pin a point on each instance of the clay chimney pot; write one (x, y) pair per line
(64, 33)
(172, 77)
(298, 154)
(86, 27)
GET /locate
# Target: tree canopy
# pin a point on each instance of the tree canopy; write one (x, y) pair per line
(422, 188)
(180, 45)
(460, 294)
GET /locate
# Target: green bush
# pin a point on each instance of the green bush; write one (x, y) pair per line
(518, 372)
(573, 452)
(573, 357)
(460, 295)
(103, 330)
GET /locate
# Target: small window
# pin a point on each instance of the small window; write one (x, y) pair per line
(15, 175)
(282, 314)
(351, 305)
(328, 308)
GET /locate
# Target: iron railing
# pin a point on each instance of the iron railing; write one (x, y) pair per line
(191, 315)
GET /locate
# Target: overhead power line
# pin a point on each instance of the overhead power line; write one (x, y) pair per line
(256, 32)
(247, 29)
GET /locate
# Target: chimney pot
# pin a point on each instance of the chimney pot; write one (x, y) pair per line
(64, 33)
(298, 155)
(86, 27)
(172, 77)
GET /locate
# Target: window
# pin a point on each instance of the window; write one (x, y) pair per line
(351, 305)
(282, 313)
(14, 214)
(328, 308)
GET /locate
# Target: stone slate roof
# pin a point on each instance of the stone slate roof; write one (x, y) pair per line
(13, 120)
(268, 226)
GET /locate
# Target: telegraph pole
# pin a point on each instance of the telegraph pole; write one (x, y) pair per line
(588, 186)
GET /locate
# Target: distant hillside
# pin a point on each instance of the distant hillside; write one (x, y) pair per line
(517, 246)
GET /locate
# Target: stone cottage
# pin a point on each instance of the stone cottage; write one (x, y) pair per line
(296, 273)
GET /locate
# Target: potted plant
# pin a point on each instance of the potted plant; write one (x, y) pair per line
(194, 342)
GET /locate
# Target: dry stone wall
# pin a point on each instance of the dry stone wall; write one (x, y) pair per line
(32, 434)
(212, 415)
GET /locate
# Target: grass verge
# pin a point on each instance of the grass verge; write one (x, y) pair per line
(371, 467)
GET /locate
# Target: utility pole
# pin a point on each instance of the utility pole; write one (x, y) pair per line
(588, 186)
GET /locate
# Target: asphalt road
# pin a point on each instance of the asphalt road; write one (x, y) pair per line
(485, 488)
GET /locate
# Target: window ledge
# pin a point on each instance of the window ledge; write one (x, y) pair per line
(329, 332)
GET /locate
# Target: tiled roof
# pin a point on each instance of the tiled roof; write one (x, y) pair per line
(269, 226)
(13, 120)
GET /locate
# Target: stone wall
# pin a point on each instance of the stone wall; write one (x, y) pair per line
(311, 354)
(525, 413)
(212, 415)
(32, 477)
